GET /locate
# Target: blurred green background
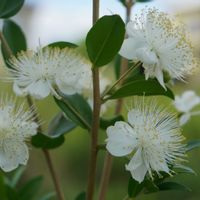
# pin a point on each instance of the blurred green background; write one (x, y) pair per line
(40, 19)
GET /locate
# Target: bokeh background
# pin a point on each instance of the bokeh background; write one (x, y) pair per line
(69, 20)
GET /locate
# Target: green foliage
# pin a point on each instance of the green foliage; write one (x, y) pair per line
(76, 109)
(14, 37)
(42, 141)
(104, 39)
(8, 8)
(62, 44)
(172, 186)
(192, 145)
(81, 196)
(104, 123)
(30, 188)
(141, 87)
(134, 187)
(60, 125)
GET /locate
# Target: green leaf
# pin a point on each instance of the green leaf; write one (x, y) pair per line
(18, 174)
(60, 125)
(8, 8)
(104, 123)
(63, 44)
(184, 169)
(14, 37)
(3, 194)
(77, 109)
(12, 194)
(150, 187)
(45, 142)
(134, 187)
(30, 189)
(81, 196)
(48, 196)
(141, 87)
(192, 145)
(172, 186)
(104, 39)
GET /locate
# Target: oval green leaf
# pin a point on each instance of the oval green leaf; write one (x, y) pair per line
(172, 186)
(8, 8)
(76, 109)
(15, 38)
(60, 125)
(63, 44)
(141, 87)
(42, 141)
(104, 39)
(192, 145)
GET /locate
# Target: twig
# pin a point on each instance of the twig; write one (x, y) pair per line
(96, 119)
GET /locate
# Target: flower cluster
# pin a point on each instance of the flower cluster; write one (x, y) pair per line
(41, 73)
(161, 44)
(16, 128)
(153, 134)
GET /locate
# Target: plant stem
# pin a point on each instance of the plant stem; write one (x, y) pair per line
(108, 157)
(59, 192)
(95, 119)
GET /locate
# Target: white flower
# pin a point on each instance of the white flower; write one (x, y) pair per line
(16, 128)
(38, 73)
(153, 135)
(185, 103)
(160, 44)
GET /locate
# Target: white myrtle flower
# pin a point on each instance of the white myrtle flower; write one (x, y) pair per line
(16, 128)
(39, 73)
(161, 44)
(151, 138)
(185, 103)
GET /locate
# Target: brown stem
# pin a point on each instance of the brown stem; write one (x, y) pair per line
(107, 168)
(59, 192)
(95, 121)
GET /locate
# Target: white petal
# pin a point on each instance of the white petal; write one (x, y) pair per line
(14, 153)
(128, 49)
(184, 119)
(137, 166)
(121, 139)
(146, 55)
(39, 89)
(159, 76)
(65, 88)
(19, 91)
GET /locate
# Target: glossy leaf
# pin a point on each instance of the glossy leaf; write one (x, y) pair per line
(104, 123)
(140, 88)
(192, 145)
(63, 44)
(150, 187)
(104, 39)
(181, 169)
(60, 125)
(45, 142)
(14, 37)
(8, 8)
(49, 196)
(12, 194)
(134, 187)
(81, 196)
(2, 188)
(173, 186)
(30, 189)
(77, 109)
(18, 174)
